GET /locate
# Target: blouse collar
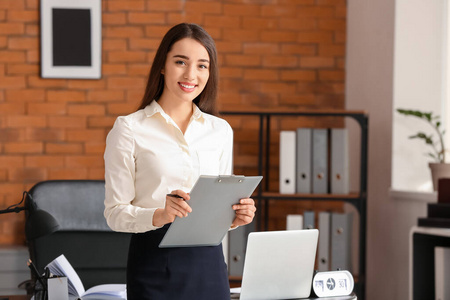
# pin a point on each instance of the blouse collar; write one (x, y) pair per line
(154, 108)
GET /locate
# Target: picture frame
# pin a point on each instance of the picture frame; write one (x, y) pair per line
(71, 39)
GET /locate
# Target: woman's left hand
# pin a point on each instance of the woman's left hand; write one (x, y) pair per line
(245, 212)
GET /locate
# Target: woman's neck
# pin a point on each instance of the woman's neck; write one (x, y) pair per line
(179, 112)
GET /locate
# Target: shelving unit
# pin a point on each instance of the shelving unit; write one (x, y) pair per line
(358, 200)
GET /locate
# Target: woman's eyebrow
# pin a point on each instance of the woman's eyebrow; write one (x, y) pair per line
(187, 58)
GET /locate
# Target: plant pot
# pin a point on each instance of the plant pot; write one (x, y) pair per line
(439, 170)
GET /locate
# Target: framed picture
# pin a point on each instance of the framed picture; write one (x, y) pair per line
(71, 39)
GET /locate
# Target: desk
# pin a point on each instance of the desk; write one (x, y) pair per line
(421, 259)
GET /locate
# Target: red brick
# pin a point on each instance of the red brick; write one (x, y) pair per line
(101, 122)
(12, 56)
(156, 31)
(126, 56)
(95, 148)
(85, 135)
(11, 28)
(82, 84)
(114, 18)
(43, 161)
(225, 21)
(36, 81)
(146, 18)
(11, 4)
(12, 108)
(241, 35)
(60, 174)
(241, 10)
(32, 30)
(11, 161)
(66, 96)
(307, 99)
(260, 23)
(228, 47)
(125, 82)
(332, 24)
(3, 41)
(86, 110)
(276, 61)
(315, 37)
(340, 37)
(314, 11)
(87, 161)
(123, 32)
(165, 6)
(105, 96)
(231, 72)
(341, 11)
(28, 174)
(114, 69)
(277, 87)
(12, 134)
(261, 48)
(96, 173)
(46, 108)
(23, 15)
(260, 74)
(3, 175)
(126, 5)
(298, 24)
(278, 11)
(176, 18)
(45, 134)
(23, 147)
(138, 69)
(298, 75)
(242, 60)
(33, 56)
(298, 49)
(317, 62)
(67, 122)
(63, 148)
(22, 69)
(120, 109)
(26, 121)
(331, 75)
(144, 44)
(134, 95)
(279, 36)
(26, 95)
(114, 44)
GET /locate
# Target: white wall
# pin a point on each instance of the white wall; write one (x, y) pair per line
(369, 86)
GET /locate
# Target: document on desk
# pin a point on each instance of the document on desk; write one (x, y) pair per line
(211, 200)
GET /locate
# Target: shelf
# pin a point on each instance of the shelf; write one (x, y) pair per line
(327, 197)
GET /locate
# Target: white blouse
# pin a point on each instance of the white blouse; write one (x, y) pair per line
(147, 156)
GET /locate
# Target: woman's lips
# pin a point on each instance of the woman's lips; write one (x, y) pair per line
(187, 87)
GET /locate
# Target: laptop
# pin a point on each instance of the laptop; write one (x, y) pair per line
(279, 264)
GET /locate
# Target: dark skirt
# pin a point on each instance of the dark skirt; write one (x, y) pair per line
(174, 273)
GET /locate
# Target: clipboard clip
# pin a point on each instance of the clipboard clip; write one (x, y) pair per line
(231, 178)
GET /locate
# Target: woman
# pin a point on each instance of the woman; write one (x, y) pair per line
(161, 149)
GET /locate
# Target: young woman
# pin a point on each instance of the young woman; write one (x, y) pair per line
(161, 149)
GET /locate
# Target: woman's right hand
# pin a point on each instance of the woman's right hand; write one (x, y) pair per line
(174, 207)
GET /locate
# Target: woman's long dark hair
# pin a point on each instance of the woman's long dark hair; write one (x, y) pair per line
(206, 101)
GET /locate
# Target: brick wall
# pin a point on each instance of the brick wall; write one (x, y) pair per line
(285, 54)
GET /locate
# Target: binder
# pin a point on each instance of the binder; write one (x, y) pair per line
(320, 161)
(442, 273)
(236, 254)
(287, 162)
(324, 242)
(341, 234)
(439, 210)
(303, 152)
(294, 222)
(339, 161)
(308, 220)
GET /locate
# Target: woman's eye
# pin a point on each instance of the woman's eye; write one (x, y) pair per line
(180, 62)
(203, 67)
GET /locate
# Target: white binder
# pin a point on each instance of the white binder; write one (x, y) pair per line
(294, 222)
(442, 272)
(320, 161)
(287, 162)
(303, 180)
(339, 161)
(323, 252)
(341, 235)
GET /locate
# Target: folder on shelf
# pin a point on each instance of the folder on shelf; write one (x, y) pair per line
(442, 272)
(294, 222)
(303, 152)
(320, 161)
(323, 251)
(339, 161)
(308, 220)
(439, 210)
(341, 236)
(287, 162)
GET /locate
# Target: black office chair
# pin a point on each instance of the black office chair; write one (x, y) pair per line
(98, 254)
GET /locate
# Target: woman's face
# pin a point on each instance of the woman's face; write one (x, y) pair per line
(186, 71)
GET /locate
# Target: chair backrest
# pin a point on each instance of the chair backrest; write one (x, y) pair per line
(98, 254)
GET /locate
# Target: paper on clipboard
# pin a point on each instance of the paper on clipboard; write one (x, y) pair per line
(211, 199)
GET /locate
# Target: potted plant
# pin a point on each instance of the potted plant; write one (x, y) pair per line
(439, 167)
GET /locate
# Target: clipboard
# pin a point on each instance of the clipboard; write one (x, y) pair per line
(212, 214)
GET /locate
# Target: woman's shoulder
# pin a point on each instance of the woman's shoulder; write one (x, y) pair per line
(216, 121)
(131, 119)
